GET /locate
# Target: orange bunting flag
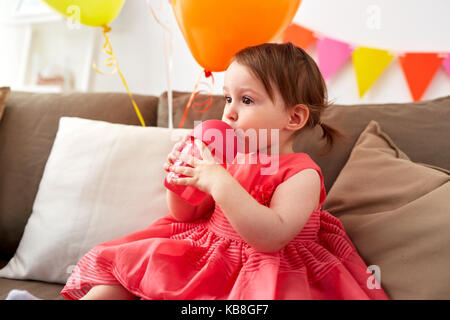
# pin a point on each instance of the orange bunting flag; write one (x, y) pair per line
(299, 36)
(369, 64)
(419, 69)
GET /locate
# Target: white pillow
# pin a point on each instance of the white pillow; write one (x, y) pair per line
(101, 181)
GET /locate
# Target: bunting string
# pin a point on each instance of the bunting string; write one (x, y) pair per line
(419, 68)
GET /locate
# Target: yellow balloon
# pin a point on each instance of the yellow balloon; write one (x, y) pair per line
(94, 13)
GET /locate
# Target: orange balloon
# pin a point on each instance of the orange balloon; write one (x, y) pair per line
(216, 29)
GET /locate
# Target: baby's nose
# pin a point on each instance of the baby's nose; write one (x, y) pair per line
(229, 118)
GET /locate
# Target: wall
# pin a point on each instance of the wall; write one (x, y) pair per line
(404, 25)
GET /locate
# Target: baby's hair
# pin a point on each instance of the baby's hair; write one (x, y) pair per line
(297, 77)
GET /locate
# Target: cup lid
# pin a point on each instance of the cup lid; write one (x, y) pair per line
(220, 135)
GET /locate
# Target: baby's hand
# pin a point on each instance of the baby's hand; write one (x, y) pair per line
(171, 158)
(204, 173)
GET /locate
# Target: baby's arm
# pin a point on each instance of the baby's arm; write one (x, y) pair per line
(270, 229)
(179, 208)
(183, 211)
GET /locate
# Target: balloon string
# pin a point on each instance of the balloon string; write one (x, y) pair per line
(167, 58)
(195, 93)
(112, 62)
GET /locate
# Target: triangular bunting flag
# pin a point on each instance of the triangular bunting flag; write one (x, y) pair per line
(446, 64)
(331, 55)
(299, 36)
(419, 70)
(369, 64)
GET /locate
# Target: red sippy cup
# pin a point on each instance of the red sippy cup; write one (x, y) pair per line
(221, 140)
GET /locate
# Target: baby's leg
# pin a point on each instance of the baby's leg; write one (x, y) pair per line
(109, 292)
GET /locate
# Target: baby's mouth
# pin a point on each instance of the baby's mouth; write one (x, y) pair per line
(240, 136)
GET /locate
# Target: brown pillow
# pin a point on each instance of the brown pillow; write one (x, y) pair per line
(420, 122)
(4, 93)
(397, 214)
(27, 132)
(411, 125)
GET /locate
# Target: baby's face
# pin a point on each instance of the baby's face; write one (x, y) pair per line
(248, 106)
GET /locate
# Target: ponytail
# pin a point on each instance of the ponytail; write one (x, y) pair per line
(331, 134)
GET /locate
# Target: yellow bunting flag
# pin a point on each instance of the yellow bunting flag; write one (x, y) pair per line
(369, 64)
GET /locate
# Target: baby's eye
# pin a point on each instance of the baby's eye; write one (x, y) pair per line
(246, 99)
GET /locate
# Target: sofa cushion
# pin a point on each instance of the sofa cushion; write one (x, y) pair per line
(41, 290)
(412, 126)
(396, 212)
(4, 93)
(420, 129)
(27, 131)
(179, 102)
(101, 181)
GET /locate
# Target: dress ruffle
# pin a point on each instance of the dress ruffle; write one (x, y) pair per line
(263, 193)
(204, 260)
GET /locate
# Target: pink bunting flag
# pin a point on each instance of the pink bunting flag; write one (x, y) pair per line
(446, 64)
(331, 55)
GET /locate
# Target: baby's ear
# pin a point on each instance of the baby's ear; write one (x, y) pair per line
(298, 116)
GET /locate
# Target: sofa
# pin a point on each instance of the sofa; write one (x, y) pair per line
(386, 216)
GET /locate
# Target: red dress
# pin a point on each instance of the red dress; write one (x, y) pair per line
(207, 259)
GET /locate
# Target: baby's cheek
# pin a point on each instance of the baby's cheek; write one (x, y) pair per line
(266, 137)
(250, 140)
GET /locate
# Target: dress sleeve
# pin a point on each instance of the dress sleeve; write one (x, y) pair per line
(301, 163)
